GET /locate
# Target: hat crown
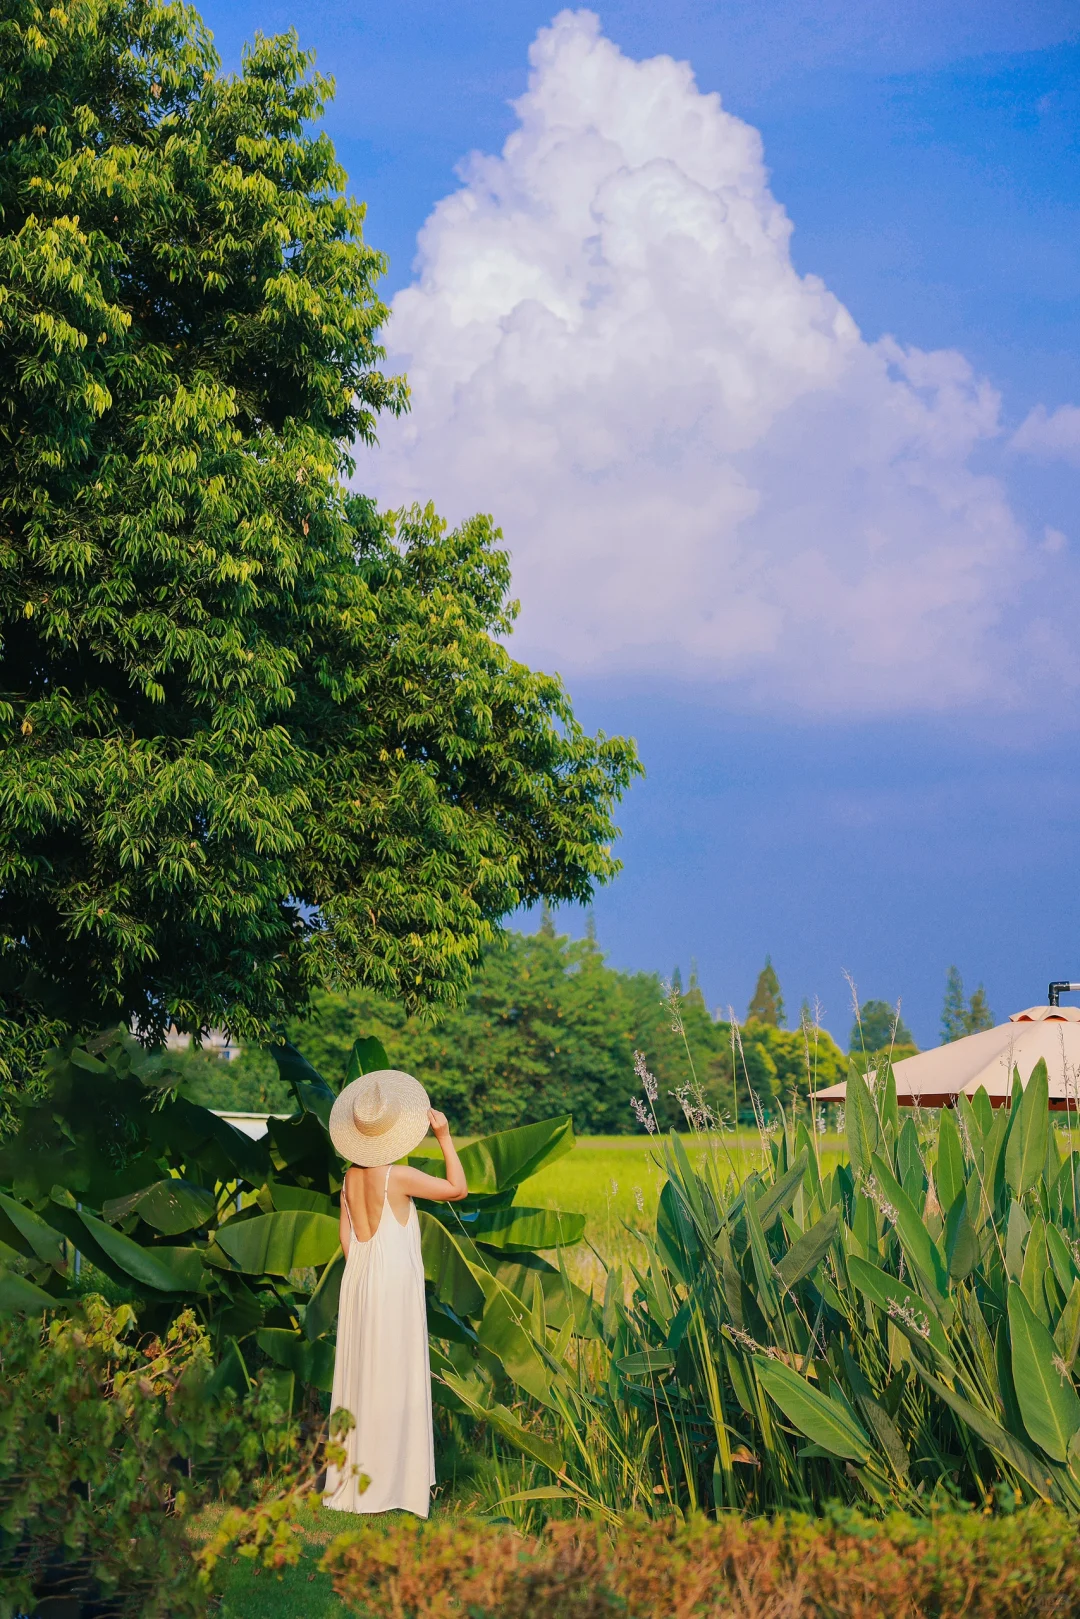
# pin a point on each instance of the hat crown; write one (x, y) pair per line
(373, 1115)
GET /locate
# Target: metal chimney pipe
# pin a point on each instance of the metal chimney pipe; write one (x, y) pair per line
(1054, 990)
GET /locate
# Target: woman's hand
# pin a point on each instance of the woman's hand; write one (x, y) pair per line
(438, 1122)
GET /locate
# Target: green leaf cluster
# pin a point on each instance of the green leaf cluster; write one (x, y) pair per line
(898, 1329)
(255, 737)
(181, 1214)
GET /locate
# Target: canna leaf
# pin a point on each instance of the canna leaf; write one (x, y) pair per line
(864, 1136)
(1067, 1331)
(823, 1420)
(990, 1431)
(949, 1177)
(1047, 1399)
(961, 1241)
(915, 1240)
(902, 1304)
(781, 1194)
(807, 1251)
(1025, 1151)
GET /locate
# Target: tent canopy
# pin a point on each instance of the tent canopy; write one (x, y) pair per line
(936, 1078)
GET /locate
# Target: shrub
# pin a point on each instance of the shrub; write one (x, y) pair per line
(107, 1444)
(841, 1566)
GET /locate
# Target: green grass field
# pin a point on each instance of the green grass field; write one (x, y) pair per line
(615, 1182)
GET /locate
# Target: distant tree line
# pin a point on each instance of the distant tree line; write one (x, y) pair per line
(548, 1026)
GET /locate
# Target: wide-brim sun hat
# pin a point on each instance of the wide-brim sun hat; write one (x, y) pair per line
(380, 1117)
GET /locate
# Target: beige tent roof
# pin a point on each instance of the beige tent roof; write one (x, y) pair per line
(936, 1078)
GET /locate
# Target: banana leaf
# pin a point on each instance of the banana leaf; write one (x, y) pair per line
(171, 1206)
(523, 1230)
(167, 1270)
(276, 1244)
(499, 1161)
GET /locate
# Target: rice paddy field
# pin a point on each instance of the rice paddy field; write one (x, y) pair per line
(615, 1182)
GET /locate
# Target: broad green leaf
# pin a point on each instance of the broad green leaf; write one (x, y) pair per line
(309, 1087)
(1025, 1153)
(1067, 1331)
(909, 1162)
(949, 1177)
(312, 1363)
(823, 1420)
(20, 1296)
(983, 1109)
(167, 1270)
(901, 1303)
(504, 1422)
(864, 1136)
(915, 1240)
(47, 1243)
(1036, 1262)
(807, 1251)
(1061, 1258)
(497, 1162)
(888, 1107)
(1016, 1235)
(322, 1307)
(562, 1299)
(170, 1206)
(1047, 1399)
(767, 1296)
(285, 1198)
(503, 1330)
(961, 1240)
(523, 1229)
(368, 1056)
(275, 1244)
(779, 1196)
(447, 1269)
(990, 1431)
(644, 1362)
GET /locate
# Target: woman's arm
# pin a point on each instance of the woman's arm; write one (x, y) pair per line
(344, 1223)
(436, 1188)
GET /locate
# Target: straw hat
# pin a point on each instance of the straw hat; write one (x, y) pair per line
(380, 1117)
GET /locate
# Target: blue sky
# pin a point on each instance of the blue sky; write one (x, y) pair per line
(829, 583)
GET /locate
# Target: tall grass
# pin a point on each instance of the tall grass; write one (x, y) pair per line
(794, 1330)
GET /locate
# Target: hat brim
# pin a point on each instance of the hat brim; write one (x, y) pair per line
(399, 1090)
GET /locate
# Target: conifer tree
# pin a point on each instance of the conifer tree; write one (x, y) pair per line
(767, 1003)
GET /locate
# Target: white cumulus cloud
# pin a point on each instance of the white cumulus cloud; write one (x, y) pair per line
(1050, 436)
(701, 468)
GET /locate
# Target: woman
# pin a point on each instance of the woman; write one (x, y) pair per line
(381, 1370)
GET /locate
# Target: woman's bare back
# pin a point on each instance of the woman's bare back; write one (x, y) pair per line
(364, 1193)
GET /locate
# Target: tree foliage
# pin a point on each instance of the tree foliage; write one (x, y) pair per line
(879, 1027)
(960, 1017)
(547, 1026)
(254, 737)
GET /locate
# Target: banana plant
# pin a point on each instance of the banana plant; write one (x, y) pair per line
(180, 1210)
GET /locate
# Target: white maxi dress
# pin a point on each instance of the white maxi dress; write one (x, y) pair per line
(382, 1374)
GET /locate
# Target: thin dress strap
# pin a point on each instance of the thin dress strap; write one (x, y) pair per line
(345, 1206)
(386, 1183)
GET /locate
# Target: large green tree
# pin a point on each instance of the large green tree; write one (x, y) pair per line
(254, 736)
